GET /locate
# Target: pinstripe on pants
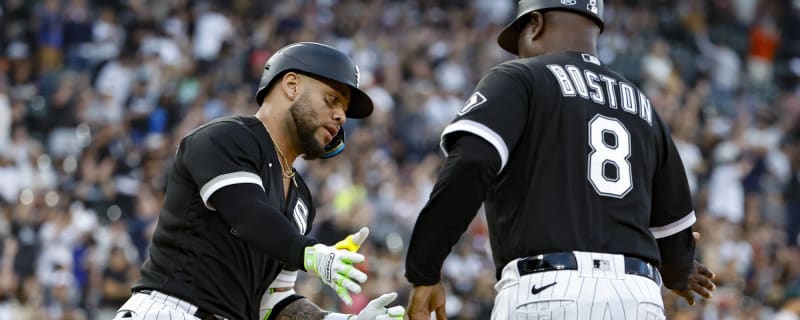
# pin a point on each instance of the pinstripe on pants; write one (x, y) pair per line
(155, 306)
(589, 293)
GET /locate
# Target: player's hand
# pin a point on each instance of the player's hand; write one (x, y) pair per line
(700, 282)
(335, 266)
(427, 299)
(376, 309)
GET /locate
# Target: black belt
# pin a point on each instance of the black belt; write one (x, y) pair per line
(199, 313)
(567, 261)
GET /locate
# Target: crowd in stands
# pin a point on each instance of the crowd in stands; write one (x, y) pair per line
(95, 95)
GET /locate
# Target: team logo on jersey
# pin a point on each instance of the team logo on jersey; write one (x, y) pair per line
(590, 58)
(474, 100)
(592, 7)
(301, 216)
(568, 2)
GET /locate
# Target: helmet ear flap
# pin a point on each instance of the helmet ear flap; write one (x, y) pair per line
(336, 146)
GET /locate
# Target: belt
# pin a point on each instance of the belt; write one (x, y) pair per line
(567, 261)
(199, 313)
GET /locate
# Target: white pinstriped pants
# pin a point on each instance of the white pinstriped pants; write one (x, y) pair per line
(589, 293)
(155, 306)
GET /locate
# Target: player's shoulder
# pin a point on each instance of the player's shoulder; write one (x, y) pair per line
(512, 71)
(230, 125)
(231, 133)
(512, 67)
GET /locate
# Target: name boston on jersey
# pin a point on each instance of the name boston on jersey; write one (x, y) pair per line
(587, 84)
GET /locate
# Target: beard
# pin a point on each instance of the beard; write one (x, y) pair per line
(305, 123)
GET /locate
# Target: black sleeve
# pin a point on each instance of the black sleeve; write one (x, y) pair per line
(672, 215)
(461, 188)
(221, 154)
(497, 111)
(677, 259)
(244, 207)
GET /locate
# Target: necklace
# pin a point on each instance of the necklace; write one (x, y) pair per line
(286, 170)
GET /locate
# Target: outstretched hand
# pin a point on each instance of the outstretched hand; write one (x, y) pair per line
(376, 309)
(334, 264)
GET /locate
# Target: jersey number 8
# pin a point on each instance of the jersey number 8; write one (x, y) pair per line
(609, 169)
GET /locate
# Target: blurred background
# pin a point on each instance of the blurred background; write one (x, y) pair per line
(95, 95)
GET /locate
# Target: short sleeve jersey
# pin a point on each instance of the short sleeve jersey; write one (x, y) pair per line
(586, 163)
(195, 255)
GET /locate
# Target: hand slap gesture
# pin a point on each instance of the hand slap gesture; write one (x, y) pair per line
(335, 266)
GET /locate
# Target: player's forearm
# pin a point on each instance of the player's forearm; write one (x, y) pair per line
(677, 259)
(262, 226)
(461, 188)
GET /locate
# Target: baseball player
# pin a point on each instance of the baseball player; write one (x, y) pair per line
(585, 195)
(233, 230)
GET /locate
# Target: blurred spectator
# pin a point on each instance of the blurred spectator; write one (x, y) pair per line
(764, 41)
(790, 310)
(726, 193)
(49, 34)
(5, 117)
(118, 277)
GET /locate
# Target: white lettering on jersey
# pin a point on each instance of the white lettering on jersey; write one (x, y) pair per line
(628, 97)
(586, 84)
(597, 91)
(577, 78)
(645, 108)
(301, 216)
(474, 100)
(563, 80)
(612, 94)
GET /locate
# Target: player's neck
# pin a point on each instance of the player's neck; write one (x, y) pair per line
(562, 41)
(279, 133)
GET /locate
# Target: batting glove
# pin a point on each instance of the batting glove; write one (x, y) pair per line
(353, 242)
(335, 266)
(375, 310)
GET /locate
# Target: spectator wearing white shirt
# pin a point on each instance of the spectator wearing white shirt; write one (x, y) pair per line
(212, 28)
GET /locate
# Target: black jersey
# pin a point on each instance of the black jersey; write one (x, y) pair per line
(585, 162)
(194, 255)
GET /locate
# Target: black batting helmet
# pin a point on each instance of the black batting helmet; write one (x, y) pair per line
(590, 8)
(320, 60)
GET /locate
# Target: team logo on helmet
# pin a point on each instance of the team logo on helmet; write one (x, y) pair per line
(358, 77)
(592, 7)
(568, 2)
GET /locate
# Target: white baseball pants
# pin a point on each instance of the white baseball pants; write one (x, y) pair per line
(599, 290)
(155, 306)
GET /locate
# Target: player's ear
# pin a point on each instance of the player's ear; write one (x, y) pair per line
(289, 84)
(536, 22)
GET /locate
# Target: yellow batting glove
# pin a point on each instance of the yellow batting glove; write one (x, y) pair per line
(353, 242)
